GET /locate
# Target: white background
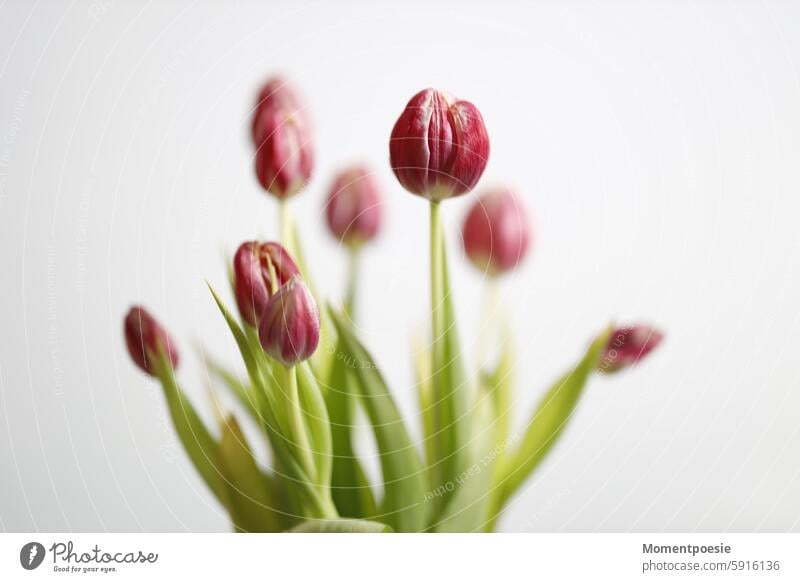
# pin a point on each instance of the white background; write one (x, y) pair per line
(656, 145)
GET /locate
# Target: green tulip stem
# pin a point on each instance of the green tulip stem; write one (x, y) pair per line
(437, 284)
(489, 328)
(354, 264)
(297, 424)
(285, 217)
(439, 468)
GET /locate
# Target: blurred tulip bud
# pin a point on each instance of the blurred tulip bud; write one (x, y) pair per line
(254, 266)
(627, 346)
(439, 146)
(354, 206)
(496, 232)
(285, 156)
(276, 94)
(289, 327)
(146, 340)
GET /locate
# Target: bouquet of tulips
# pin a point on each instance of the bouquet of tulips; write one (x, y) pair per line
(303, 399)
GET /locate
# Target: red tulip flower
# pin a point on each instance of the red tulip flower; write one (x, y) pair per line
(627, 346)
(496, 232)
(259, 270)
(285, 157)
(276, 94)
(353, 210)
(147, 340)
(439, 146)
(289, 326)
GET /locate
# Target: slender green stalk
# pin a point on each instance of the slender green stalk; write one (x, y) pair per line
(297, 423)
(444, 384)
(436, 267)
(489, 330)
(354, 264)
(495, 357)
(285, 224)
(438, 469)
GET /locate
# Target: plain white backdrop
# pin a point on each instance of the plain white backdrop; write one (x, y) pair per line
(657, 146)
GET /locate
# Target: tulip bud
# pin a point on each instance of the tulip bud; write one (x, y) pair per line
(285, 157)
(439, 146)
(496, 232)
(627, 345)
(289, 326)
(354, 207)
(276, 94)
(254, 266)
(146, 340)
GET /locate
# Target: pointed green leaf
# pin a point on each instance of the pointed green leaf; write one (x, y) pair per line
(298, 486)
(467, 507)
(239, 389)
(200, 445)
(316, 422)
(404, 503)
(350, 487)
(498, 384)
(253, 504)
(549, 419)
(422, 378)
(238, 334)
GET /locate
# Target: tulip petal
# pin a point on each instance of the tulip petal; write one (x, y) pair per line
(471, 148)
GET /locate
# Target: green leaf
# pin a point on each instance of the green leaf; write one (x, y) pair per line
(341, 526)
(405, 485)
(240, 389)
(498, 384)
(350, 487)
(450, 397)
(549, 419)
(316, 422)
(200, 445)
(301, 492)
(239, 335)
(467, 508)
(253, 502)
(422, 378)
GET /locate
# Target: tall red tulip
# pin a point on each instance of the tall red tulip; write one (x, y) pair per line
(439, 146)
